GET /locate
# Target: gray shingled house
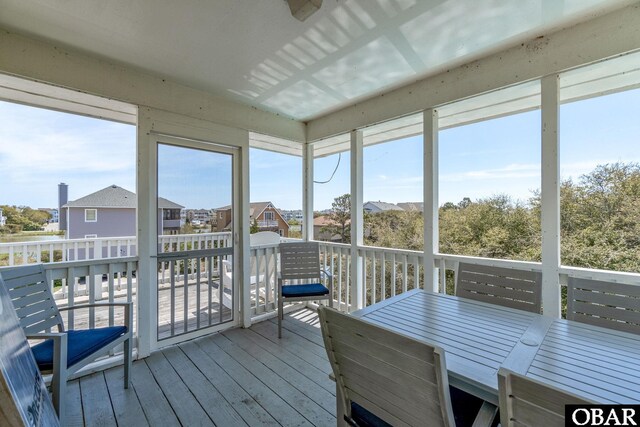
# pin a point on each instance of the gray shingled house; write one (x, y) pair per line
(111, 212)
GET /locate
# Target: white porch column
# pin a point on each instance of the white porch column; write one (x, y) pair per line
(241, 234)
(357, 235)
(307, 192)
(430, 171)
(550, 194)
(146, 227)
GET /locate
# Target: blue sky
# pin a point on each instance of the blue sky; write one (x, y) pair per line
(40, 148)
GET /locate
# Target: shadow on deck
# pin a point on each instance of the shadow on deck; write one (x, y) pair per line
(235, 378)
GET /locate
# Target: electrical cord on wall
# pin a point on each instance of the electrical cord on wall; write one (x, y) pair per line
(334, 172)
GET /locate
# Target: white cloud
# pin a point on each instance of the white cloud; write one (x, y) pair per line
(512, 171)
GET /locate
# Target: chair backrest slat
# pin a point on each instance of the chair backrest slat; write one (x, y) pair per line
(503, 286)
(299, 260)
(527, 402)
(32, 298)
(610, 305)
(399, 379)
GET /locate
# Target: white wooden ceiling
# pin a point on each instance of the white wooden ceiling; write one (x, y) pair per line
(255, 52)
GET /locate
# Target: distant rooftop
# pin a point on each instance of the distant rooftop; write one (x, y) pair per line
(116, 197)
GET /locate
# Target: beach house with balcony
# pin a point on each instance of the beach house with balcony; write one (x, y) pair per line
(111, 212)
(265, 214)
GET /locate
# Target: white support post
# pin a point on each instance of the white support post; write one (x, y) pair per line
(430, 170)
(550, 197)
(241, 233)
(146, 225)
(357, 235)
(307, 192)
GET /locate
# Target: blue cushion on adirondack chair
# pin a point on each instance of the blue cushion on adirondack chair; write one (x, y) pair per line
(80, 344)
(309, 290)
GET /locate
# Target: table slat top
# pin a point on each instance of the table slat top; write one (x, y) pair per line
(590, 361)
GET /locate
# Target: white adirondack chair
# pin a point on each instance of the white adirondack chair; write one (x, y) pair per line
(63, 352)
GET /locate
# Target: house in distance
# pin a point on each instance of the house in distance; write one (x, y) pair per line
(266, 216)
(111, 212)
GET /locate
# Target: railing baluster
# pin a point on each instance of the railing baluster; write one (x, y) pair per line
(185, 292)
(210, 287)
(92, 295)
(267, 280)
(198, 308)
(393, 275)
(404, 273)
(71, 281)
(111, 290)
(373, 277)
(443, 276)
(172, 269)
(383, 277)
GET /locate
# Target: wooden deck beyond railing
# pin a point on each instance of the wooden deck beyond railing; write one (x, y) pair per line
(237, 378)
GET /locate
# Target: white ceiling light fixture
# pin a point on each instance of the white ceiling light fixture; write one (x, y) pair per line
(302, 9)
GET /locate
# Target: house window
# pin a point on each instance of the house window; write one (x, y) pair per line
(220, 215)
(90, 236)
(90, 215)
(281, 232)
(268, 216)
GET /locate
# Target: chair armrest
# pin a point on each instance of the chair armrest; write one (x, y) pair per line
(45, 335)
(327, 273)
(128, 312)
(97, 304)
(59, 351)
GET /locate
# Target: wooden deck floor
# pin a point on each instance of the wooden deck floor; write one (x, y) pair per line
(236, 378)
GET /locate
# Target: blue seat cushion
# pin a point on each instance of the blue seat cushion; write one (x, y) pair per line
(80, 344)
(364, 418)
(309, 290)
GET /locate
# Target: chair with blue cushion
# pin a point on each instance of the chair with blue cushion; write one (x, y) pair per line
(62, 353)
(386, 379)
(300, 270)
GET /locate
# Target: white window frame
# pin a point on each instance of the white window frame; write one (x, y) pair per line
(281, 232)
(95, 216)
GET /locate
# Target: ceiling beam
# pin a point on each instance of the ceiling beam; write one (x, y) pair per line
(48, 63)
(602, 37)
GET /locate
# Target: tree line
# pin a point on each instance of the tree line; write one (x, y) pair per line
(23, 218)
(599, 223)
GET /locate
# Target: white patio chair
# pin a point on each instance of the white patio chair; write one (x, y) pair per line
(527, 402)
(502, 286)
(384, 378)
(63, 352)
(300, 261)
(610, 305)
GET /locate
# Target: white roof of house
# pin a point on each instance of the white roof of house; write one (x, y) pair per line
(384, 206)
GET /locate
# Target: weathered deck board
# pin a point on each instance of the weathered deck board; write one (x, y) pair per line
(239, 377)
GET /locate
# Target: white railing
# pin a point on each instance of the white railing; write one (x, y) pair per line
(62, 250)
(336, 258)
(263, 272)
(267, 223)
(89, 281)
(389, 272)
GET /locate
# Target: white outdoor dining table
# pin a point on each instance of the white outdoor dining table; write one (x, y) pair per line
(480, 338)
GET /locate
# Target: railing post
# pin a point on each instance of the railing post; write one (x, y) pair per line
(357, 291)
(550, 197)
(430, 171)
(307, 191)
